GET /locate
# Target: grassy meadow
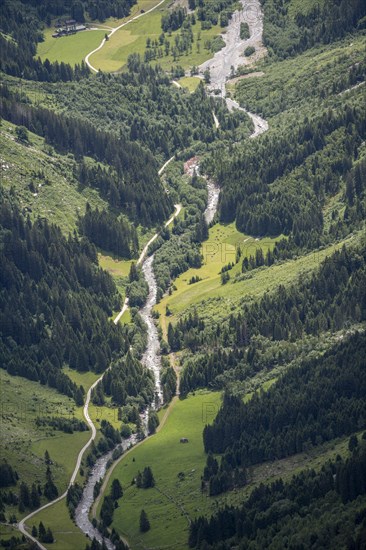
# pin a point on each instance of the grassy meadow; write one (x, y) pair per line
(132, 39)
(43, 180)
(212, 299)
(219, 250)
(171, 498)
(67, 535)
(24, 443)
(189, 82)
(69, 49)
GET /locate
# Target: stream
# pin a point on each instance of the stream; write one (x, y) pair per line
(231, 56)
(220, 67)
(82, 511)
(151, 359)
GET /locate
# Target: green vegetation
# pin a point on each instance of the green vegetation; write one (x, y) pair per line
(264, 309)
(24, 441)
(244, 31)
(173, 496)
(249, 51)
(69, 49)
(67, 535)
(189, 82)
(43, 180)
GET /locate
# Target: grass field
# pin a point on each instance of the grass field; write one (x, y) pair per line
(69, 49)
(23, 444)
(67, 535)
(219, 250)
(132, 39)
(167, 457)
(85, 379)
(43, 180)
(211, 299)
(175, 499)
(190, 82)
(109, 413)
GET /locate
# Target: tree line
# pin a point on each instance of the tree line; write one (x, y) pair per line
(134, 166)
(296, 510)
(55, 303)
(319, 400)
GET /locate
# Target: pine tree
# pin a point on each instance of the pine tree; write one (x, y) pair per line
(147, 478)
(144, 522)
(116, 489)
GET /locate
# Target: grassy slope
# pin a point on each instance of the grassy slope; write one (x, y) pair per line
(70, 49)
(219, 250)
(67, 535)
(132, 39)
(172, 501)
(212, 299)
(189, 82)
(23, 443)
(167, 457)
(294, 82)
(57, 196)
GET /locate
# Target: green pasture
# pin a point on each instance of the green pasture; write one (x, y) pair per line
(67, 535)
(219, 250)
(110, 413)
(190, 82)
(132, 39)
(23, 444)
(63, 449)
(212, 300)
(43, 180)
(69, 49)
(172, 500)
(85, 379)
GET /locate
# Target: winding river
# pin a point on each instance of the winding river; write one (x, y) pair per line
(220, 67)
(152, 360)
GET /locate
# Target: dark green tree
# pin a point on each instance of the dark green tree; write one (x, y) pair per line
(144, 522)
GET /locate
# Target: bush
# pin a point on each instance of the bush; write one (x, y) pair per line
(249, 51)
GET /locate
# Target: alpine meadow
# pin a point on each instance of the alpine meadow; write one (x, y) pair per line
(183, 274)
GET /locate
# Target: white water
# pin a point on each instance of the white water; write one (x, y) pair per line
(151, 358)
(231, 56)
